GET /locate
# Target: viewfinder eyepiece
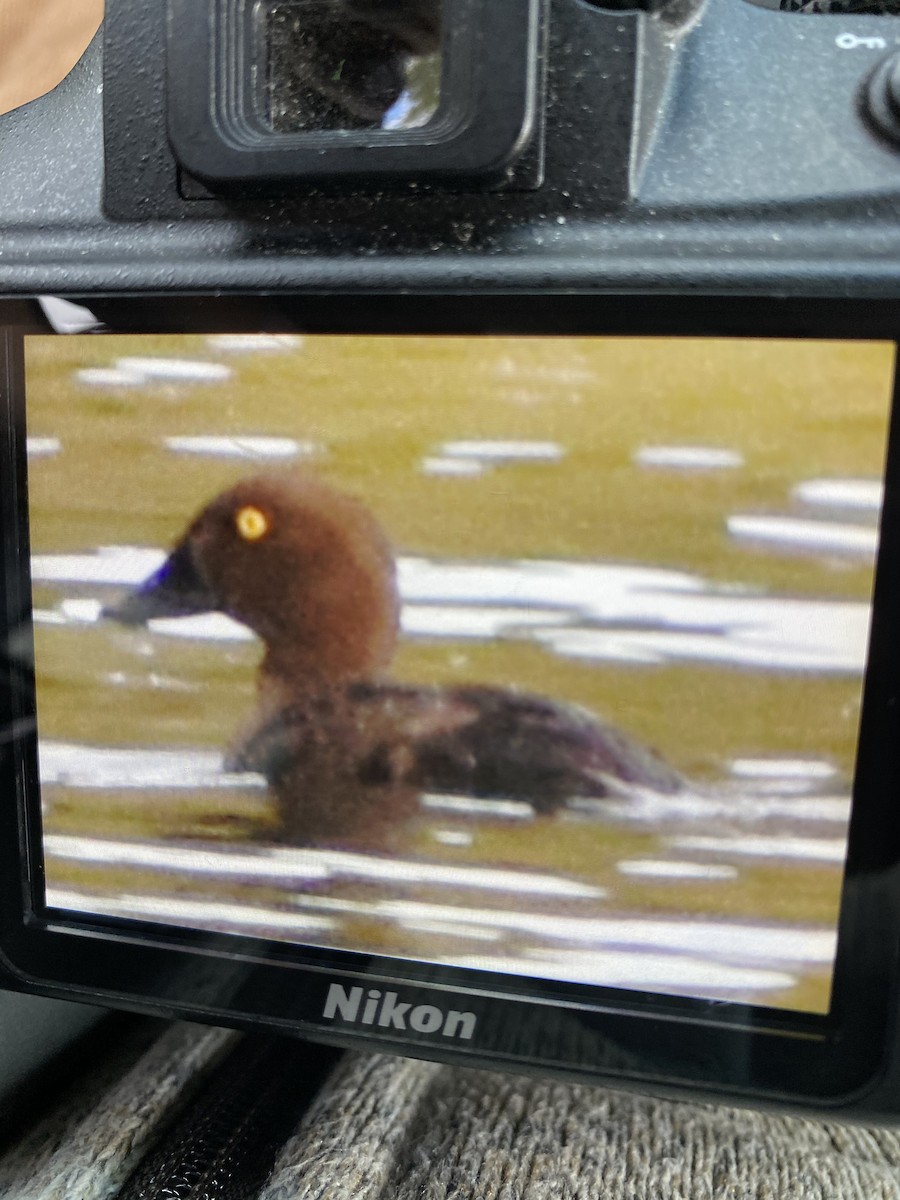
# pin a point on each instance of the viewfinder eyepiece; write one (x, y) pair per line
(282, 90)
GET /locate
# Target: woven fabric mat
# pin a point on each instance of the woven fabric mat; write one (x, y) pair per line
(388, 1128)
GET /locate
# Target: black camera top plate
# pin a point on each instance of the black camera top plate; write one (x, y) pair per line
(716, 181)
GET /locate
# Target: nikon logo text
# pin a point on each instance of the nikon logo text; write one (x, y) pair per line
(384, 1009)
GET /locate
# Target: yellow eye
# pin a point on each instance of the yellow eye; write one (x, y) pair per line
(251, 523)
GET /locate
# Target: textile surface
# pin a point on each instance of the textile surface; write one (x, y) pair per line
(96, 1131)
(384, 1127)
(414, 1131)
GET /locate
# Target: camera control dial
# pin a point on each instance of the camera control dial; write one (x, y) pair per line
(881, 100)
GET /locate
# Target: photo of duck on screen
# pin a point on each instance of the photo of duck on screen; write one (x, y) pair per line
(534, 655)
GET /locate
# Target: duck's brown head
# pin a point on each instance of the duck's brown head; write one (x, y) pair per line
(304, 566)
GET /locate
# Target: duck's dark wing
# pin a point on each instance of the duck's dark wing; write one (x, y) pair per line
(529, 748)
(471, 741)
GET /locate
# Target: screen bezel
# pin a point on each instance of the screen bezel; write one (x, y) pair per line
(570, 1028)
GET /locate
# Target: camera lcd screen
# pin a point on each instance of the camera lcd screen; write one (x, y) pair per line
(534, 655)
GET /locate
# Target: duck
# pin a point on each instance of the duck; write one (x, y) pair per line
(347, 751)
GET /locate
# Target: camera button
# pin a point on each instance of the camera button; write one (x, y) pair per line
(881, 100)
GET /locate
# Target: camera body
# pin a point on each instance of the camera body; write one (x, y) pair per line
(588, 175)
(667, 164)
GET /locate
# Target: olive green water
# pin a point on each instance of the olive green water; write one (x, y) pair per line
(378, 407)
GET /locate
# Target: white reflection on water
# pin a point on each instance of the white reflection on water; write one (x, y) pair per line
(138, 372)
(176, 370)
(469, 806)
(808, 770)
(689, 458)
(262, 448)
(724, 803)
(254, 343)
(94, 377)
(42, 447)
(463, 468)
(452, 837)
(825, 850)
(864, 495)
(507, 450)
(121, 566)
(658, 868)
(199, 914)
(595, 611)
(473, 621)
(468, 459)
(538, 923)
(79, 766)
(679, 975)
(786, 636)
(723, 941)
(292, 867)
(814, 537)
(716, 958)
